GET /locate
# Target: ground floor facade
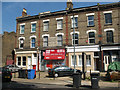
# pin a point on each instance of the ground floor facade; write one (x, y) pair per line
(49, 58)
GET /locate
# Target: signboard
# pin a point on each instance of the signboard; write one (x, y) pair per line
(56, 54)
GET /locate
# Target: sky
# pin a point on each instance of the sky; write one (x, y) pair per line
(11, 10)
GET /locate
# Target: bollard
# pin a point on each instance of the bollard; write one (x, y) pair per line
(39, 74)
(54, 74)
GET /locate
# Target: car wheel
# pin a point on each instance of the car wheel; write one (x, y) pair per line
(56, 74)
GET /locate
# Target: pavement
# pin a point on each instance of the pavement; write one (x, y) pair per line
(65, 81)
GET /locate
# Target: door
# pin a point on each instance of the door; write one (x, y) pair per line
(29, 62)
(106, 62)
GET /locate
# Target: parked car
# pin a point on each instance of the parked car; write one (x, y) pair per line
(5, 74)
(61, 71)
(12, 68)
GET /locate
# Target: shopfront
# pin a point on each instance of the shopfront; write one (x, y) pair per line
(54, 57)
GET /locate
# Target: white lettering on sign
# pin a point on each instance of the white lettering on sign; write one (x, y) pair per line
(59, 57)
(94, 78)
(47, 57)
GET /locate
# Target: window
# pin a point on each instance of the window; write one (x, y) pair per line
(72, 63)
(22, 28)
(19, 61)
(46, 26)
(24, 61)
(80, 60)
(76, 39)
(88, 60)
(91, 20)
(59, 24)
(45, 41)
(75, 22)
(108, 18)
(91, 37)
(33, 27)
(59, 40)
(21, 43)
(32, 42)
(109, 35)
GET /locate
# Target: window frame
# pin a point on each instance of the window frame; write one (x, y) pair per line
(20, 43)
(46, 25)
(89, 60)
(75, 22)
(79, 60)
(45, 41)
(61, 41)
(75, 39)
(18, 61)
(61, 24)
(108, 40)
(108, 19)
(24, 61)
(33, 28)
(23, 24)
(33, 42)
(91, 38)
(90, 20)
(72, 58)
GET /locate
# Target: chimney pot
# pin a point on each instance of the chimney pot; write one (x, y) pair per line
(24, 12)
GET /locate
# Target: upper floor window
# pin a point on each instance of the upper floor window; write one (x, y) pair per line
(74, 22)
(90, 20)
(91, 38)
(22, 29)
(76, 39)
(46, 25)
(109, 36)
(21, 43)
(59, 40)
(108, 17)
(88, 60)
(45, 41)
(59, 24)
(32, 42)
(33, 27)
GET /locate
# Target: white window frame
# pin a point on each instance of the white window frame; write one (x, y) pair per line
(90, 60)
(91, 38)
(75, 16)
(59, 24)
(79, 60)
(75, 39)
(22, 61)
(72, 64)
(20, 41)
(107, 12)
(35, 22)
(46, 21)
(61, 41)
(21, 28)
(44, 41)
(92, 14)
(32, 42)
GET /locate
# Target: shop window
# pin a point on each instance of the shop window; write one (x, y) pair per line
(91, 38)
(24, 61)
(45, 41)
(76, 39)
(19, 61)
(59, 40)
(80, 60)
(109, 35)
(88, 60)
(73, 61)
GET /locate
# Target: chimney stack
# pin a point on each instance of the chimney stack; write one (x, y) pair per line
(69, 5)
(24, 12)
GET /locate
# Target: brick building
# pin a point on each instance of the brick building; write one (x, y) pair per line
(46, 39)
(8, 45)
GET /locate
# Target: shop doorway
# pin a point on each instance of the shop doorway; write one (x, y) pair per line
(106, 62)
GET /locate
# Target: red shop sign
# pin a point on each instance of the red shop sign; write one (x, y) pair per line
(56, 54)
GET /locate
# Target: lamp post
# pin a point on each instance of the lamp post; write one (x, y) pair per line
(74, 42)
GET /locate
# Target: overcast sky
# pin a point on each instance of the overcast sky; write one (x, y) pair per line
(11, 10)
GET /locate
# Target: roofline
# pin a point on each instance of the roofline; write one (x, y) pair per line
(68, 11)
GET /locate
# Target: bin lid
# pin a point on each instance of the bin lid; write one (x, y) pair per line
(95, 74)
